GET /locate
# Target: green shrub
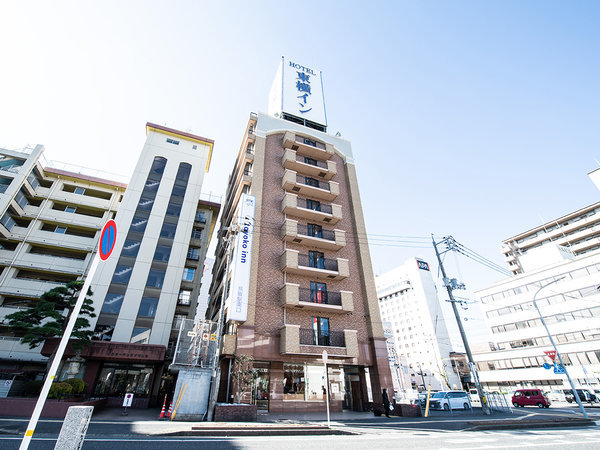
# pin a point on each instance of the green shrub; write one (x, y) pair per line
(60, 390)
(32, 388)
(77, 384)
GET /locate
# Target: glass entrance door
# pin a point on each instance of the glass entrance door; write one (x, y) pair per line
(260, 389)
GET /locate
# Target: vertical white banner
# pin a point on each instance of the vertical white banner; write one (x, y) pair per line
(242, 256)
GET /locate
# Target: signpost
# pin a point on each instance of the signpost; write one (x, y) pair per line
(127, 402)
(105, 248)
(551, 354)
(558, 369)
(326, 385)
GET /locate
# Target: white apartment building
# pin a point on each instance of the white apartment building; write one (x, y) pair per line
(51, 217)
(152, 280)
(570, 307)
(409, 304)
(579, 231)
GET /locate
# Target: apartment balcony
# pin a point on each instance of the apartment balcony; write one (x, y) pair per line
(307, 147)
(340, 344)
(308, 166)
(325, 268)
(316, 212)
(308, 186)
(292, 295)
(292, 231)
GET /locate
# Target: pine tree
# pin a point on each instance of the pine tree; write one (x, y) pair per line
(50, 315)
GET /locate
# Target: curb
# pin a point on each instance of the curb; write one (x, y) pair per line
(520, 424)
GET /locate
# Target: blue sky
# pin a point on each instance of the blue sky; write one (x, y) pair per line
(467, 118)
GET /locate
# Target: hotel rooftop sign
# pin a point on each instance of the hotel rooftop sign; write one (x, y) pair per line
(298, 91)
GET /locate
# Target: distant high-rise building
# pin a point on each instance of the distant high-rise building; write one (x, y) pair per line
(300, 281)
(409, 303)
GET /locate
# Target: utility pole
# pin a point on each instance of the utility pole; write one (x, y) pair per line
(449, 287)
(216, 378)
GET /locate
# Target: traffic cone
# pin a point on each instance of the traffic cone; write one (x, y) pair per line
(162, 412)
(170, 409)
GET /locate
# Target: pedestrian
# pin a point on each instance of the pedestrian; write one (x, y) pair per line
(386, 403)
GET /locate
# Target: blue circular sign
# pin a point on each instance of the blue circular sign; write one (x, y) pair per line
(108, 238)
(546, 366)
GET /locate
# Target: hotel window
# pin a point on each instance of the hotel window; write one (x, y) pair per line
(172, 141)
(70, 209)
(321, 331)
(148, 307)
(197, 233)
(155, 278)
(168, 230)
(309, 181)
(318, 292)
(162, 253)
(315, 230)
(122, 274)
(293, 381)
(79, 190)
(112, 303)
(130, 248)
(193, 253)
(313, 204)
(201, 216)
(185, 296)
(188, 274)
(316, 259)
(140, 335)
(311, 161)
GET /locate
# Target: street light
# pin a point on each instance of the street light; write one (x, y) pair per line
(420, 372)
(556, 349)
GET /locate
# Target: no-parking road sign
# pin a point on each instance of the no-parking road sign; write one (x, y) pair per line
(108, 238)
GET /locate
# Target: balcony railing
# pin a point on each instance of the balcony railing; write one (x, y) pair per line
(321, 263)
(313, 182)
(322, 234)
(333, 339)
(324, 208)
(312, 162)
(323, 297)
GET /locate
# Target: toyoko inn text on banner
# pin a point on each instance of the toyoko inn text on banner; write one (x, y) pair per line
(242, 255)
(298, 90)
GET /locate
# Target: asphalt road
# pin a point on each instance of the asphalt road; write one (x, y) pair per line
(441, 430)
(573, 438)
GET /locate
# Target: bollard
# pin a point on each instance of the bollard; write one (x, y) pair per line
(74, 428)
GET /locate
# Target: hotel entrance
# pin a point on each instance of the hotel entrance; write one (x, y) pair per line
(351, 389)
(260, 387)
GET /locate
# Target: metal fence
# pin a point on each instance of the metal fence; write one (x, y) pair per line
(196, 343)
(497, 402)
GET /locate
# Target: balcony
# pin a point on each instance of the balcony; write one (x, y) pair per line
(316, 212)
(292, 295)
(340, 344)
(307, 146)
(308, 186)
(309, 166)
(292, 231)
(326, 268)
(334, 339)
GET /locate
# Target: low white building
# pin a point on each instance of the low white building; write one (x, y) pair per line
(570, 307)
(410, 306)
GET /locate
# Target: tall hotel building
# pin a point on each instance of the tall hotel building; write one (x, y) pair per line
(409, 303)
(309, 287)
(50, 230)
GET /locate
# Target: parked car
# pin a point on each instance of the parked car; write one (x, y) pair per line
(447, 400)
(556, 395)
(584, 395)
(530, 397)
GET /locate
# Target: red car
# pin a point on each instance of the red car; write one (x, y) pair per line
(530, 397)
